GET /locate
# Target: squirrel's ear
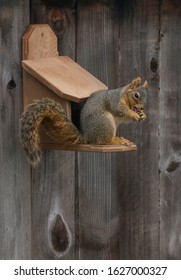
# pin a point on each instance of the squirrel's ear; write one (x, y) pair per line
(145, 85)
(135, 83)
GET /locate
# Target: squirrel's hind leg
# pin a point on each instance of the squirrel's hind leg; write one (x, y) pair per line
(98, 131)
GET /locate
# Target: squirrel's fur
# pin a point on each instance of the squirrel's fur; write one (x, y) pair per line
(58, 126)
(100, 117)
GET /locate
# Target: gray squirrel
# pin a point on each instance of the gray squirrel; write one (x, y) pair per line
(102, 112)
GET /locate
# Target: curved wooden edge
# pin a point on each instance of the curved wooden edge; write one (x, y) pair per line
(91, 148)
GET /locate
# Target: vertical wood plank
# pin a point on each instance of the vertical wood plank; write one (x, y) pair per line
(15, 203)
(53, 192)
(53, 198)
(98, 189)
(98, 200)
(170, 130)
(97, 40)
(139, 176)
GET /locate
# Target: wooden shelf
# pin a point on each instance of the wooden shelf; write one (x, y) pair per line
(47, 143)
(91, 148)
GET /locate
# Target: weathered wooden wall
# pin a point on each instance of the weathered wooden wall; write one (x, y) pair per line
(91, 205)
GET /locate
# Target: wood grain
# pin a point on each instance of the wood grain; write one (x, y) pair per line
(139, 185)
(97, 178)
(15, 191)
(53, 197)
(97, 205)
(53, 191)
(170, 131)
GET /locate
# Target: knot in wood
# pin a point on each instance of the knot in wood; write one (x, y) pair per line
(153, 65)
(59, 235)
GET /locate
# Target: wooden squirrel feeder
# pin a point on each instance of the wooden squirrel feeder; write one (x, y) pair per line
(46, 74)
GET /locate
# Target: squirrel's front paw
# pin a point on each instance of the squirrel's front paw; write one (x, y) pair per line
(142, 115)
(135, 116)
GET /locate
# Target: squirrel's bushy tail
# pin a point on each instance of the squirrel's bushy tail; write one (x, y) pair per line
(58, 127)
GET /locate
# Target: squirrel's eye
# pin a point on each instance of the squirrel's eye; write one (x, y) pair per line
(137, 95)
